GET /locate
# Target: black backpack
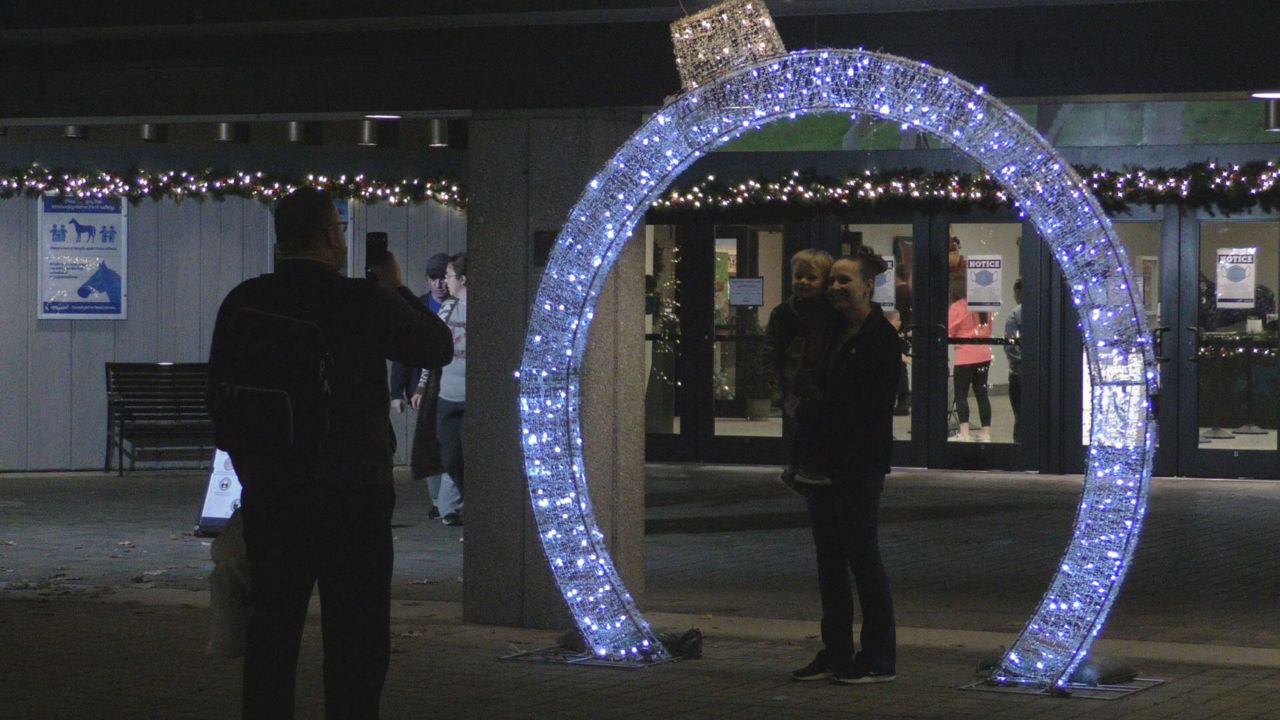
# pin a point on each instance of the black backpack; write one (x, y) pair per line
(275, 403)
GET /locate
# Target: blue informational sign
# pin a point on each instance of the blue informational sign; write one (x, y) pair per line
(83, 259)
(221, 497)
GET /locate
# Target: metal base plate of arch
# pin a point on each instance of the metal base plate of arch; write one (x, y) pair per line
(1073, 690)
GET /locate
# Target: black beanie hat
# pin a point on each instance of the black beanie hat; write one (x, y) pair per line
(437, 265)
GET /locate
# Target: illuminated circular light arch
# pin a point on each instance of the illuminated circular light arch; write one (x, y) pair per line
(1120, 358)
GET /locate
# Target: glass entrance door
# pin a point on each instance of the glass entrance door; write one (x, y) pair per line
(665, 350)
(982, 413)
(1207, 287)
(1230, 352)
(748, 281)
(1008, 362)
(1150, 241)
(710, 288)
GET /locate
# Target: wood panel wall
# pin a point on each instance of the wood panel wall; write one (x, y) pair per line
(183, 258)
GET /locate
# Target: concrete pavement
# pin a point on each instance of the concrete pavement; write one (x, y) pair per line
(102, 604)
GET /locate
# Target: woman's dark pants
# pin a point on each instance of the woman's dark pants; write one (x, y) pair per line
(845, 520)
(975, 376)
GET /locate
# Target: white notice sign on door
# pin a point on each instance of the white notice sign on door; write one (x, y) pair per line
(1237, 277)
(882, 295)
(984, 275)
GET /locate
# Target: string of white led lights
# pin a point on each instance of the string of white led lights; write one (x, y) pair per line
(1121, 359)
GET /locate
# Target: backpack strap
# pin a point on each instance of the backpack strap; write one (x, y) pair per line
(447, 309)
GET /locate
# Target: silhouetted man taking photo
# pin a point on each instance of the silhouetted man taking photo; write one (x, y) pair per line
(297, 390)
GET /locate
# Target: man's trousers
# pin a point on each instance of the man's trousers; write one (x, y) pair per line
(340, 539)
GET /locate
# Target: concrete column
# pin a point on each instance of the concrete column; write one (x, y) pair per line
(526, 169)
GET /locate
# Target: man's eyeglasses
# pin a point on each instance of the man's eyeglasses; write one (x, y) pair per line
(341, 225)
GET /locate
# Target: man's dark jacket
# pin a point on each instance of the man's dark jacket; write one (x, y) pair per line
(404, 379)
(364, 325)
(853, 423)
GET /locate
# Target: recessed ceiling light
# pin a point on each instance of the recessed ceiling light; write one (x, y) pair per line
(438, 133)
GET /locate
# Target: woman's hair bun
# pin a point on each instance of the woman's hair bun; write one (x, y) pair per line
(871, 259)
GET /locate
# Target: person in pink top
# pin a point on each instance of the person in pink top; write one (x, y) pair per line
(972, 365)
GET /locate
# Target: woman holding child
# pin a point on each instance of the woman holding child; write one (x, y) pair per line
(795, 345)
(845, 440)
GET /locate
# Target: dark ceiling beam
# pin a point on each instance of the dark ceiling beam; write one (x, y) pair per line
(1142, 49)
(27, 23)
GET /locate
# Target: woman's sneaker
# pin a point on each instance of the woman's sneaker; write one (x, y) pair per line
(788, 478)
(816, 670)
(811, 477)
(861, 674)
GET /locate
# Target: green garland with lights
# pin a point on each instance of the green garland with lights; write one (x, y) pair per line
(1216, 188)
(1209, 186)
(1258, 346)
(137, 185)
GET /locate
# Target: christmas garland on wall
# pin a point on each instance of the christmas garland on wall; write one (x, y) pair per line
(1208, 186)
(1225, 188)
(137, 185)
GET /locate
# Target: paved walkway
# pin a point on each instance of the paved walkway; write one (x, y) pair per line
(102, 604)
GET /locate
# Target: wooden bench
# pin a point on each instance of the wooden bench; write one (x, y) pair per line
(156, 410)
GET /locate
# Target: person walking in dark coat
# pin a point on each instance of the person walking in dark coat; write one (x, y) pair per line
(323, 519)
(850, 442)
(424, 457)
